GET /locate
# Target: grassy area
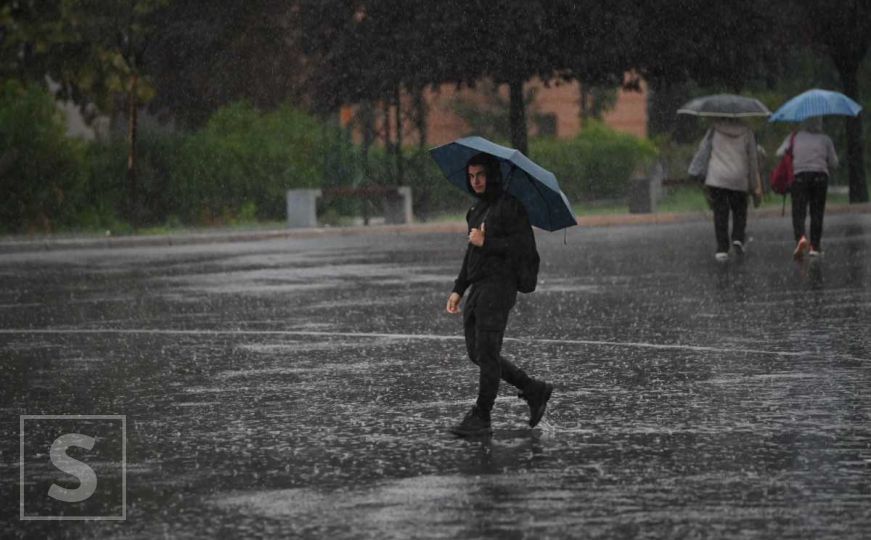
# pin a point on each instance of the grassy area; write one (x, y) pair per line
(678, 199)
(123, 229)
(601, 209)
(248, 226)
(683, 199)
(447, 217)
(691, 199)
(687, 198)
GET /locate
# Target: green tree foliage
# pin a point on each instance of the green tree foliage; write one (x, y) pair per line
(504, 41)
(684, 47)
(488, 113)
(597, 163)
(370, 53)
(244, 156)
(41, 169)
(209, 54)
(368, 50)
(371, 50)
(595, 41)
(92, 49)
(843, 32)
(725, 44)
(597, 50)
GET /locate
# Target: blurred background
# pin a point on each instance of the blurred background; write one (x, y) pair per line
(151, 115)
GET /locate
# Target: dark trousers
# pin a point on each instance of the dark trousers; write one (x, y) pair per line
(809, 190)
(723, 201)
(484, 320)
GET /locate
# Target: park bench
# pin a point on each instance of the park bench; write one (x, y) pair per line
(302, 203)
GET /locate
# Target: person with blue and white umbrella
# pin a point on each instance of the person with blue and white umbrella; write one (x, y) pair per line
(814, 160)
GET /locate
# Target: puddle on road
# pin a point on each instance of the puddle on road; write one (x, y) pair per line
(312, 345)
(336, 435)
(547, 504)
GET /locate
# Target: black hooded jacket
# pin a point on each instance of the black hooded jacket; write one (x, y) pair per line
(506, 228)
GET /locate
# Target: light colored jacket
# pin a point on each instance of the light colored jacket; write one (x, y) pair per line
(812, 152)
(727, 158)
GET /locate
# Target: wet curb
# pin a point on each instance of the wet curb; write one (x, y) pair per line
(55, 243)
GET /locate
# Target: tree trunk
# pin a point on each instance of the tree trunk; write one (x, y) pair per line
(400, 170)
(584, 103)
(420, 119)
(855, 150)
(422, 190)
(517, 116)
(366, 118)
(387, 137)
(132, 119)
(7, 160)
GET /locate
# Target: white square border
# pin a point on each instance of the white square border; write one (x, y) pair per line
(122, 417)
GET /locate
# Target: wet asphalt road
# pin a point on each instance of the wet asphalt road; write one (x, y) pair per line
(302, 387)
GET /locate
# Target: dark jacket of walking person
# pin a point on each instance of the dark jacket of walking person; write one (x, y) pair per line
(728, 162)
(813, 160)
(498, 226)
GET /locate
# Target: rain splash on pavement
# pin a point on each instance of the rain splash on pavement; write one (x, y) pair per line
(302, 387)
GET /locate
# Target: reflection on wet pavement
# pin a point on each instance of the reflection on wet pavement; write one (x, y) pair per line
(302, 387)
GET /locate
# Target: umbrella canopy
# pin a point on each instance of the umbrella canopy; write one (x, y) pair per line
(535, 187)
(815, 102)
(725, 106)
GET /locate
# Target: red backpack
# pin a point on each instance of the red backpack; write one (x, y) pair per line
(783, 175)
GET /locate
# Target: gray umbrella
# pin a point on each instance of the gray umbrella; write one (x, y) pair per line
(725, 106)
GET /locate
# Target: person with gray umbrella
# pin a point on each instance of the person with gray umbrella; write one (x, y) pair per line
(728, 164)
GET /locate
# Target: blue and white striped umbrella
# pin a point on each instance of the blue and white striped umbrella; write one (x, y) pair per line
(815, 102)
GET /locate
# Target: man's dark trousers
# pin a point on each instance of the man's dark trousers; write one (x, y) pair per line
(485, 316)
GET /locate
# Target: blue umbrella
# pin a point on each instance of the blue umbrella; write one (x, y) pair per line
(815, 102)
(535, 187)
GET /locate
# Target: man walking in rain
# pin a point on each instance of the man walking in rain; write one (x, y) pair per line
(498, 232)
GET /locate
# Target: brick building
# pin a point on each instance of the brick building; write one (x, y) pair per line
(558, 103)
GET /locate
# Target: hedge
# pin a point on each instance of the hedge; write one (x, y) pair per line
(245, 159)
(595, 164)
(41, 169)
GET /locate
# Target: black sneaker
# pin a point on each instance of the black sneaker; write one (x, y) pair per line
(536, 396)
(474, 424)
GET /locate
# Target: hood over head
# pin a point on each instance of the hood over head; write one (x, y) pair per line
(494, 176)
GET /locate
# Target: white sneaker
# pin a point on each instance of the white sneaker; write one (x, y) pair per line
(814, 253)
(739, 247)
(721, 256)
